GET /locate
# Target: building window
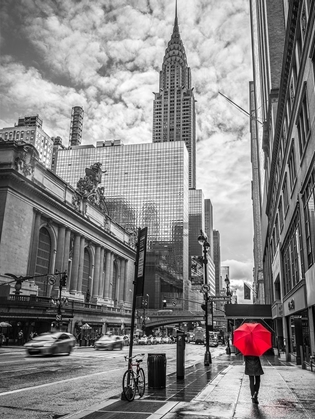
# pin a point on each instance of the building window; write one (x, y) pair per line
(303, 125)
(285, 194)
(86, 286)
(277, 231)
(313, 58)
(292, 167)
(43, 261)
(280, 211)
(308, 198)
(292, 255)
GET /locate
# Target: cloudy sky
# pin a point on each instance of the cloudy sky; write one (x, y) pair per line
(105, 55)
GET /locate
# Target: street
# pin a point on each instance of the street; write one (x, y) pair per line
(52, 387)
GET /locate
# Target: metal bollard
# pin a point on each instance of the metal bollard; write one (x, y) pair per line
(180, 359)
(302, 358)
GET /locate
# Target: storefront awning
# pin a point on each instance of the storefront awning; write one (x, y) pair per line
(240, 311)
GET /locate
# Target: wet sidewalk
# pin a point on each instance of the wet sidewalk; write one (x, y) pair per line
(220, 391)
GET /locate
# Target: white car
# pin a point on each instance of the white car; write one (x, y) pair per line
(49, 344)
(143, 341)
(109, 342)
(157, 340)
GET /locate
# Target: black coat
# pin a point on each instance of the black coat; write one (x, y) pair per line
(253, 366)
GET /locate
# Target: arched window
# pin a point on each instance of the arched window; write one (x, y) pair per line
(114, 280)
(86, 272)
(43, 261)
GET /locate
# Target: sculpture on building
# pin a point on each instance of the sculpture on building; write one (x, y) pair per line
(26, 158)
(88, 187)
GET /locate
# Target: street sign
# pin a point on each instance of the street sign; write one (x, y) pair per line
(58, 317)
(140, 261)
(51, 279)
(174, 302)
(224, 298)
(205, 288)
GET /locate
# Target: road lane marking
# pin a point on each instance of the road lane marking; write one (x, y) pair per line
(19, 370)
(57, 382)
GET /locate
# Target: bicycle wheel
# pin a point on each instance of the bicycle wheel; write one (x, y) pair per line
(129, 385)
(141, 382)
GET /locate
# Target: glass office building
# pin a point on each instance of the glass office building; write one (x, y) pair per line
(145, 185)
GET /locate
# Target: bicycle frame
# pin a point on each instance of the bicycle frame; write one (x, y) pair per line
(134, 378)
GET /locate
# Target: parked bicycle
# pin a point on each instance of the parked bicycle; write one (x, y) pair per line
(134, 378)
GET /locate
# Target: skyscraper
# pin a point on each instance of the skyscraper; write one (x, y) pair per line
(217, 261)
(174, 104)
(29, 129)
(76, 126)
(145, 185)
(209, 224)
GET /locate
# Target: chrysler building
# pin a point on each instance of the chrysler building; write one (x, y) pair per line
(174, 105)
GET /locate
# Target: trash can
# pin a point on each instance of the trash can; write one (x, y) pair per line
(157, 370)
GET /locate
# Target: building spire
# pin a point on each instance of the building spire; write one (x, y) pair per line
(176, 20)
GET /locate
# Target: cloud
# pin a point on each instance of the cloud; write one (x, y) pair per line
(106, 57)
(240, 272)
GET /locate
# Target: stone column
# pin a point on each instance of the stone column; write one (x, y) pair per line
(107, 274)
(60, 248)
(81, 264)
(75, 263)
(128, 285)
(97, 271)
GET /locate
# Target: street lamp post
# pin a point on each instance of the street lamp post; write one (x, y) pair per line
(202, 239)
(229, 293)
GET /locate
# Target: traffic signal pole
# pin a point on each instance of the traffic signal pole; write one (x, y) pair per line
(62, 283)
(207, 358)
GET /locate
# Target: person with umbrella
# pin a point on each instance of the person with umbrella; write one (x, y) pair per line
(254, 370)
(252, 340)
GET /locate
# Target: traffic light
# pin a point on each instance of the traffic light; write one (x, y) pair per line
(63, 280)
(203, 307)
(164, 303)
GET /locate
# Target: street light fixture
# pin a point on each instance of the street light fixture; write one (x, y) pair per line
(227, 282)
(203, 241)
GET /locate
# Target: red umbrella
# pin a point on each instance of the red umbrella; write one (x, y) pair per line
(252, 339)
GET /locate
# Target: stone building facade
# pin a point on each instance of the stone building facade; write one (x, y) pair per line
(284, 69)
(50, 229)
